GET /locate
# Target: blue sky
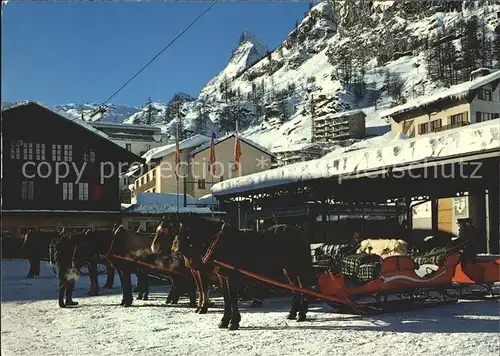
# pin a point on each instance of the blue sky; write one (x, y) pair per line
(60, 53)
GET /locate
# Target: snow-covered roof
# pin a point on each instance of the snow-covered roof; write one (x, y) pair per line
(162, 151)
(164, 198)
(207, 199)
(295, 147)
(166, 209)
(164, 203)
(458, 91)
(224, 138)
(463, 140)
(80, 122)
(126, 126)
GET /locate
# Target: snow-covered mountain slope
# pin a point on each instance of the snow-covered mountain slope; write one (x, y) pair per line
(342, 55)
(114, 114)
(337, 58)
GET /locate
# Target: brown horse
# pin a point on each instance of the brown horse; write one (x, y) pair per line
(126, 252)
(276, 252)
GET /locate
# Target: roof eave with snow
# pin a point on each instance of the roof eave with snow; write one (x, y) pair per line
(468, 140)
(457, 92)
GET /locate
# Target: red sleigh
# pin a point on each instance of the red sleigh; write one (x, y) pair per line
(398, 274)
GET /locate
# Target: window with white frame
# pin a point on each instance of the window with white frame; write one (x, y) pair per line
(40, 151)
(27, 190)
(56, 152)
(15, 150)
(68, 153)
(83, 191)
(27, 150)
(67, 191)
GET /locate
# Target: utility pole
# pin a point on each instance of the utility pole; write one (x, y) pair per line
(185, 190)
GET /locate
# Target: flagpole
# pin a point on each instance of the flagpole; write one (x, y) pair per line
(177, 169)
(211, 138)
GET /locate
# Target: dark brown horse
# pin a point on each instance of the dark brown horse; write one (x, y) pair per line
(35, 249)
(278, 252)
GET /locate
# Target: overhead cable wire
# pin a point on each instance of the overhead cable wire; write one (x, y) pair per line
(161, 52)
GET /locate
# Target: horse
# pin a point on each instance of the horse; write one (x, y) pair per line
(253, 289)
(276, 252)
(136, 247)
(35, 248)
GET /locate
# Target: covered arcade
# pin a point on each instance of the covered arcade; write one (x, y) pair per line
(397, 176)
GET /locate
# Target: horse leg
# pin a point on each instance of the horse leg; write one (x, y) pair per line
(292, 314)
(70, 286)
(122, 283)
(110, 276)
(226, 318)
(140, 285)
(176, 290)
(191, 287)
(198, 288)
(145, 284)
(204, 282)
(31, 272)
(171, 292)
(128, 297)
(232, 285)
(93, 277)
(303, 304)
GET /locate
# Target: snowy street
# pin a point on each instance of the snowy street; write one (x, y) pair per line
(33, 324)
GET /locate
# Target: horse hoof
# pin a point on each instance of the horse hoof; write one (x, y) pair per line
(235, 326)
(223, 324)
(301, 318)
(62, 305)
(203, 311)
(71, 302)
(291, 316)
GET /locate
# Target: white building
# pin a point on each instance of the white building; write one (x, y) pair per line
(297, 153)
(138, 139)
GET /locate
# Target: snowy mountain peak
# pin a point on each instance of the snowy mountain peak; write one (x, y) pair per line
(250, 51)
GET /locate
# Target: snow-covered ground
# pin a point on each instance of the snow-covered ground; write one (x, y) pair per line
(33, 324)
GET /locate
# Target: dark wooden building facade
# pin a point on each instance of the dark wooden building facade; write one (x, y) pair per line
(57, 171)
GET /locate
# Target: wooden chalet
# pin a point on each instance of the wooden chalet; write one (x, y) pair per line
(58, 172)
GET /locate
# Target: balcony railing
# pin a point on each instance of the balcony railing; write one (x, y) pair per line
(450, 126)
(145, 186)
